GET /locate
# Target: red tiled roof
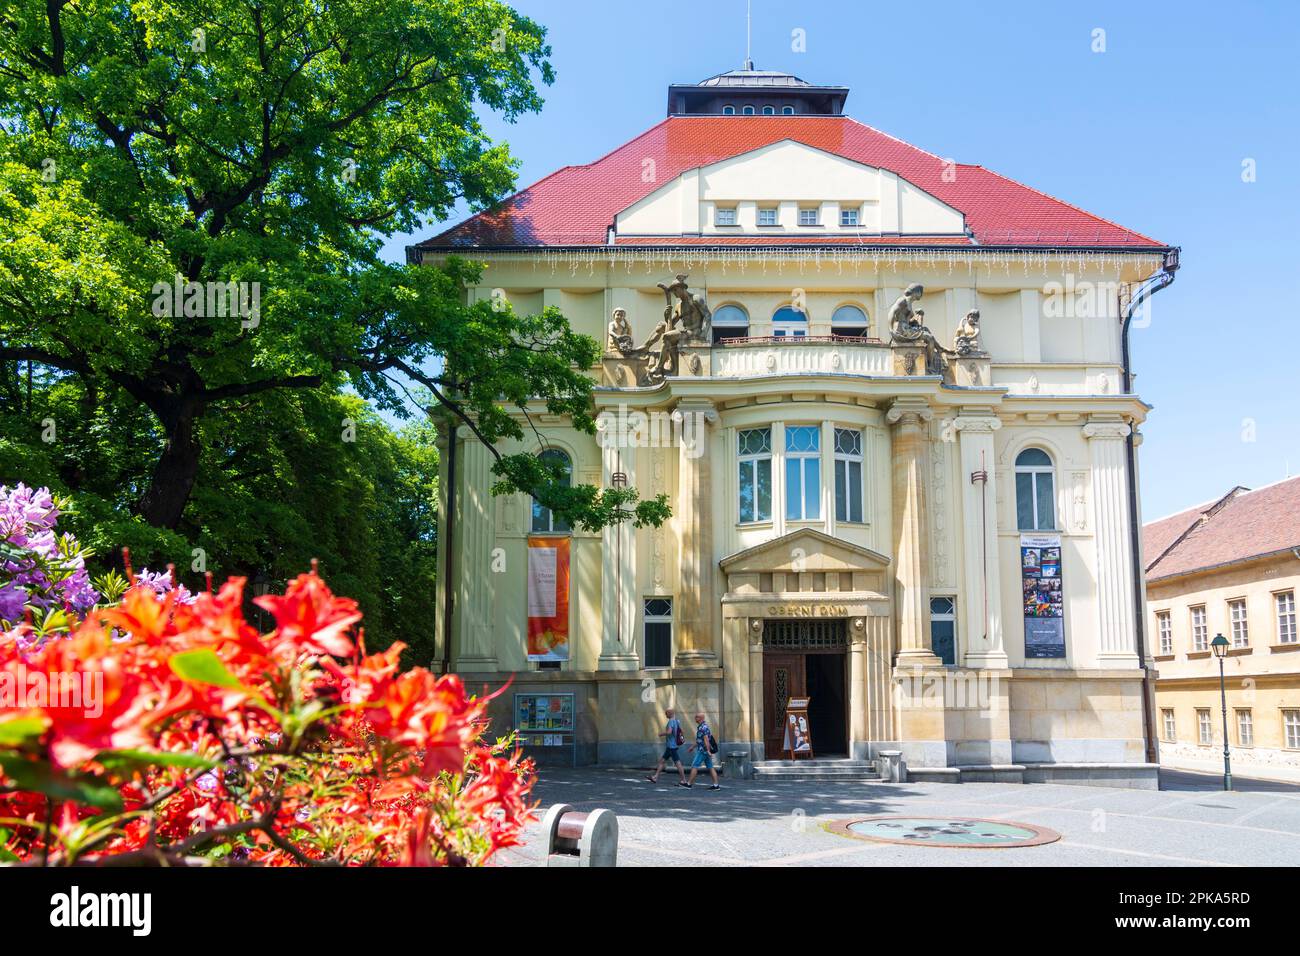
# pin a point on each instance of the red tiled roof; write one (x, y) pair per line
(576, 205)
(1242, 524)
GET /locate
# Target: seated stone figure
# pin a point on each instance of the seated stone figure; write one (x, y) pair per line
(907, 327)
(967, 340)
(619, 337)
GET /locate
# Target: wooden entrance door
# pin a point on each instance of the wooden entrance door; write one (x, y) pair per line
(783, 677)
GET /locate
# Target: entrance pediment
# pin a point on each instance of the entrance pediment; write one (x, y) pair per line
(805, 551)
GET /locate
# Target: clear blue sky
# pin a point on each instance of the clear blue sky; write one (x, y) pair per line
(1151, 133)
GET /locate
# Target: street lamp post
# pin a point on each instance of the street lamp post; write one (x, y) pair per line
(1220, 647)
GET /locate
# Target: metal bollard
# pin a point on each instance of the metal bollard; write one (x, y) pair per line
(580, 839)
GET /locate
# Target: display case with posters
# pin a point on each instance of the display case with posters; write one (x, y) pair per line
(1043, 595)
(545, 723)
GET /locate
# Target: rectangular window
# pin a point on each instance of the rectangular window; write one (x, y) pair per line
(1035, 509)
(1284, 604)
(755, 455)
(1166, 630)
(1204, 728)
(1237, 615)
(767, 216)
(943, 629)
(1291, 729)
(848, 474)
(849, 216)
(1245, 729)
(1167, 721)
(803, 479)
(809, 215)
(658, 625)
(724, 215)
(1200, 633)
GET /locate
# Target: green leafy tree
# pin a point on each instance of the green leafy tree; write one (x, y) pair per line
(193, 197)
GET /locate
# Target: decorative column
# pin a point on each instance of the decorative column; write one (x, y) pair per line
(618, 602)
(980, 610)
(694, 518)
(911, 531)
(476, 536)
(1117, 644)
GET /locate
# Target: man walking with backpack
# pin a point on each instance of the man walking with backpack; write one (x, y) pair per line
(673, 738)
(705, 746)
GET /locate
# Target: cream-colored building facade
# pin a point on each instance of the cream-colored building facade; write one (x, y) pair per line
(847, 523)
(1229, 567)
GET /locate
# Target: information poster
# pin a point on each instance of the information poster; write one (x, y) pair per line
(1040, 578)
(544, 712)
(548, 599)
(798, 735)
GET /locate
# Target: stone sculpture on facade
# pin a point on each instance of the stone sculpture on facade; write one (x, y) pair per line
(667, 335)
(690, 309)
(967, 340)
(619, 338)
(907, 328)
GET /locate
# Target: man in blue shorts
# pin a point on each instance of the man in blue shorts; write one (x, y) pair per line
(672, 740)
(703, 755)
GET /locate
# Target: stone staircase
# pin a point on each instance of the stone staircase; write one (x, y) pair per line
(820, 770)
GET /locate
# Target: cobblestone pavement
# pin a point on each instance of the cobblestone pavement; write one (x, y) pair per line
(1191, 822)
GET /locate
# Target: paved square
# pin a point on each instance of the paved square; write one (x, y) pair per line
(761, 823)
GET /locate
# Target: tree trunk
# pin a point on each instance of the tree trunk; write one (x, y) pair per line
(173, 477)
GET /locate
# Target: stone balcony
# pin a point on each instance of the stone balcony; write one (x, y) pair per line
(812, 355)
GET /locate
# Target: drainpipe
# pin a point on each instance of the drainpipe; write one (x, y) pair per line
(1149, 288)
(447, 529)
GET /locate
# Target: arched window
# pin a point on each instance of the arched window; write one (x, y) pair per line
(1035, 501)
(730, 322)
(769, 110)
(544, 522)
(789, 323)
(787, 110)
(849, 320)
(728, 110)
(748, 111)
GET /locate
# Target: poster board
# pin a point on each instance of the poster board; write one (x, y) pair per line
(548, 599)
(1043, 591)
(547, 721)
(798, 730)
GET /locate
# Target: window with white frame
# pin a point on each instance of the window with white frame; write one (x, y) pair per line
(1284, 605)
(809, 215)
(848, 474)
(747, 110)
(755, 488)
(657, 624)
(767, 215)
(1291, 729)
(803, 467)
(724, 215)
(1035, 501)
(849, 215)
(544, 522)
(1245, 728)
(849, 320)
(769, 110)
(1200, 632)
(730, 322)
(787, 111)
(728, 110)
(1170, 728)
(1166, 631)
(788, 322)
(1204, 726)
(1237, 618)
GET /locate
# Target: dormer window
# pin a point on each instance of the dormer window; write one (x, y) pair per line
(748, 111)
(850, 215)
(809, 215)
(724, 215)
(767, 215)
(787, 110)
(769, 110)
(728, 110)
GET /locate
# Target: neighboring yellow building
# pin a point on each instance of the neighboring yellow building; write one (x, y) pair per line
(1230, 567)
(912, 505)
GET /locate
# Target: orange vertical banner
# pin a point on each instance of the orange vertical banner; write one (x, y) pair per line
(548, 599)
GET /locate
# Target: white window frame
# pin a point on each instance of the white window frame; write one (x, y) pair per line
(648, 618)
(865, 324)
(847, 460)
(1284, 616)
(813, 215)
(1245, 727)
(1200, 628)
(1291, 728)
(947, 616)
(751, 460)
(787, 111)
(1239, 619)
(728, 110)
(775, 212)
(1204, 727)
(1168, 725)
(747, 110)
(1165, 628)
(1034, 472)
(806, 460)
(853, 213)
(789, 328)
(769, 110)
(726, 216)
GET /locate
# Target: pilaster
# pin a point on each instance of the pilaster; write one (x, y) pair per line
(1117, 644)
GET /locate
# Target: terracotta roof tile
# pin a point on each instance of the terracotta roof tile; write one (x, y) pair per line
(1243, 524)
(576, 205)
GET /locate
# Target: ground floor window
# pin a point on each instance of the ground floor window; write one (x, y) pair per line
(1245, 728)
(943, 629)
(1170, 729)
(1204, 728)
(1291, 726)
(658, 632)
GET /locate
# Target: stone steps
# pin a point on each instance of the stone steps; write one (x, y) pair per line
(819, 770)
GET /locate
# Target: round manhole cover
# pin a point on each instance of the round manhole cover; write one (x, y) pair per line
(945, 831)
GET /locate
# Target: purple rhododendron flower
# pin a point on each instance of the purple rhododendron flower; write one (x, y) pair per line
(161, 582)
(48, 571)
